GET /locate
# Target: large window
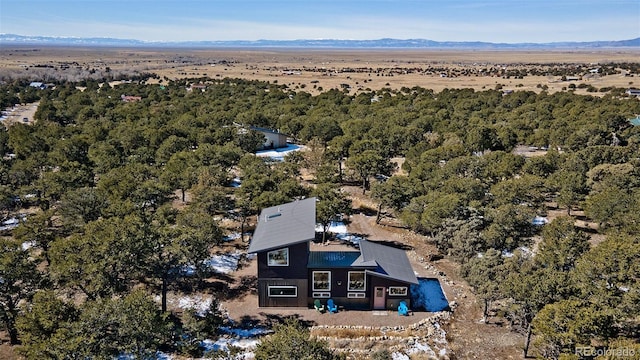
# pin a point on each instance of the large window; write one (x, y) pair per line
(283, 291)
(356, 281)
(278, 257)
(321, 280)
(397, 290)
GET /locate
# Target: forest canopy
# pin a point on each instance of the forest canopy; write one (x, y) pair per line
(104, 173)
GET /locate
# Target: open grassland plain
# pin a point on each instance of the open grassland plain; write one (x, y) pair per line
(352, 70)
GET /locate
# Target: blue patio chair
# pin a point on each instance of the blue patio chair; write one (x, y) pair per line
(331, 306)
(403, 309)
(318, 305)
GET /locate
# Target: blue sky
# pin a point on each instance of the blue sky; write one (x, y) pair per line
(506, 21)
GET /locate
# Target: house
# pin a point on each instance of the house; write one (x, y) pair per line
(128, 98)
(290, 274)
(38, 85)
(199, 87)
(273, 138)
(633, 92)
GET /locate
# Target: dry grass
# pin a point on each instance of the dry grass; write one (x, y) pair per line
(346, 333)
(356, 333)
(311, 70)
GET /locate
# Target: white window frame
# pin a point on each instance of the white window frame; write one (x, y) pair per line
(313, 280)
(356, 295)
(269, 288)
(272, 262)
(364, 280)
(401, 290)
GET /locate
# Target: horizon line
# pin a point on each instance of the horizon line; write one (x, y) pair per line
(305, 39)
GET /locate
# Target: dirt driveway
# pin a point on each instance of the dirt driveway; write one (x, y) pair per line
(19, 113)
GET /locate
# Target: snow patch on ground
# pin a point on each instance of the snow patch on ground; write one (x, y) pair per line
(523, 249)
(280, 153)
(245, 339)
(158, 356)
(350, 238)
(199, 303)
(236, 337)
(340, 230)
(231, 237)
(399, 356)
(440, 336)
(245, 333)
(13, 222)
(419, 348)
(221, 264)
(225, 344)
(225, 263)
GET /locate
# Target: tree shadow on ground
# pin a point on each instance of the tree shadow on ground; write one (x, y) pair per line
(366, 211)
(247, 285)
(394, 244)
(224, 287)
(392, 222)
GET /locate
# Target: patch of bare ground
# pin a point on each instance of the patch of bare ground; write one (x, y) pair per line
(23, 113)
(7, 352)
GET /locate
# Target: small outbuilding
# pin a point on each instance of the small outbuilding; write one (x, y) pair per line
(274, 139)
(633, 92)
(38, 85)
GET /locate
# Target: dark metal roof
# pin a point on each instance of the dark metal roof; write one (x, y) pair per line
(392, 263)
(332, 259)
(376, 259)
(284, 225)
(266, 130)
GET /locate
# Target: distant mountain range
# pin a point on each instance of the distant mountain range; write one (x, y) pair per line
(13, 39)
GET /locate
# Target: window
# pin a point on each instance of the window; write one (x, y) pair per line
(398, 290)
(355, 295)
(278, 257)
(321, 280)
(283, 291)
(356, 281)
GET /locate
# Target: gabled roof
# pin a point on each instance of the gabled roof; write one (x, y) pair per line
(375, 259)
(391, 263)
(284, 225)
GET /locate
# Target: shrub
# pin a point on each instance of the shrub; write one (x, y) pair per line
(292, 341)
